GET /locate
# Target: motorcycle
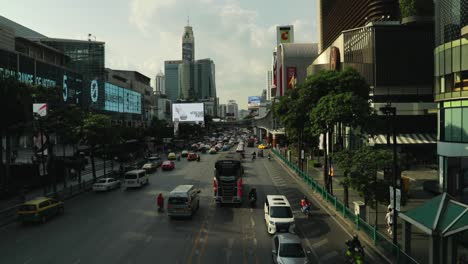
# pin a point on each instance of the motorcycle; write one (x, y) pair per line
(269, 157)
(354, 254)
(253, 157)
(306, 211)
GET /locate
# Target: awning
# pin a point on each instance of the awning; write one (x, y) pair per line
(404, 139)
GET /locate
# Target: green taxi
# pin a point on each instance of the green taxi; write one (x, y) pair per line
(39, 209)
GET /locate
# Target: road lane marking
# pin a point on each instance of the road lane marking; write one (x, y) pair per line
(252, 222)
(329, 256)
(320, 243)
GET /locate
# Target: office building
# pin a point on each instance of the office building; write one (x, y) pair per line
(338, 15)
(171, 82)
(160, 83)
(186, 82)
(232, 111)
(205, 81)
(222, 110)
(269, 83)
(451, 92)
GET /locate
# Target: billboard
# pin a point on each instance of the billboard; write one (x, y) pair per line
(254, 102)
(284, 34)
(118, 99)
(292, 77)
(190, 112)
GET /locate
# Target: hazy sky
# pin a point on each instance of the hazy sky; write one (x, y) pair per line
(238, 35)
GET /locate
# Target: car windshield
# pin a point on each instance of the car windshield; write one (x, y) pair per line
(130, 176)
(177, 200)
(291, 250)
(27, 207)
(281, 212)
(102, 181)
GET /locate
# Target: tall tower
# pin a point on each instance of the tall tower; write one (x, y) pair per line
(188, 44)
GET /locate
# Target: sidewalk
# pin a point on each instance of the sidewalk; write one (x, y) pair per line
(417, 196)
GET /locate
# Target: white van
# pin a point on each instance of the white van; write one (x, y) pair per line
(183, 201)
(135, 178)
(278, 214)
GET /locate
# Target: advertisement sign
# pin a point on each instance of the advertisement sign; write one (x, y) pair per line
(284, 34)
(254, 101)
(190, 112)
(40, 109)
(291, 73)
(118, 99)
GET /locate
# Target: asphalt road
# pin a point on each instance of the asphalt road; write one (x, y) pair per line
(124, 226)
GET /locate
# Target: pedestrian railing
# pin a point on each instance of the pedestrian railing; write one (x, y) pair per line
(380, 240)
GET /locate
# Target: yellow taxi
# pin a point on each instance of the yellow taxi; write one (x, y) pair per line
(171, 156)
(39, 209)
(261, 146)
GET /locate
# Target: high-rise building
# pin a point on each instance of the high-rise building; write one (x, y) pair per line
(232, 112)
(269, 83)
(188, 45)
(451, 88)
(160, 83)
(222, 109)
(171, 84)
(204, 79)
(338, 15)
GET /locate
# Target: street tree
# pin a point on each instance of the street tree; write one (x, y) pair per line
(344, 160)
(95, 128)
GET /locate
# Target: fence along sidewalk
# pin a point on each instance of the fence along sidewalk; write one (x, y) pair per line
(380, 240)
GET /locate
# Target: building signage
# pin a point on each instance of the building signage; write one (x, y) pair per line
(118, 99)
(291, 77)
(284, 34)
(32, 72)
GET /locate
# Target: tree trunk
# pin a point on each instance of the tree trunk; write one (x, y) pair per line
(93, 168)
(346, 195)
(7, 159)
(376, 213)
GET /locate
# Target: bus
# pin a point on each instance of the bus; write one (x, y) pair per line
(227, 184)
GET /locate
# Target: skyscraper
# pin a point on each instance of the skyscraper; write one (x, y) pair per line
(171, 69)
(188, 45)
(160, 80)
(232, 110)
(204, 79)
(269, 82)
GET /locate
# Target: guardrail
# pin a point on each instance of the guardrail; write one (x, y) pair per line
(8, 215)
(379, 239)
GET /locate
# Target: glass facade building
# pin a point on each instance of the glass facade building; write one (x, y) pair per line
(451, 95)
(171, 71)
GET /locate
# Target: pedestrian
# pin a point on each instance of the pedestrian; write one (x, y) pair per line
(160, 202)
(389, 219)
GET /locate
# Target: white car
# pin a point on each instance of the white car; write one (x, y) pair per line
(106, 184)
(288, 248)
(278, 214)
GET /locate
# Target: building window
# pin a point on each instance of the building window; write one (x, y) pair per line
(448, 124)
(442, 84)
(456, 125)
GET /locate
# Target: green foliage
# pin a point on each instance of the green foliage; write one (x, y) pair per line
(95, 128)
(15, 104)
(416, 8)
(360, 168)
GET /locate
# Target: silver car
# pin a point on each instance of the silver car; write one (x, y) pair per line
(288, 249)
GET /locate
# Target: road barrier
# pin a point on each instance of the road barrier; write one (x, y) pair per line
(379, 240)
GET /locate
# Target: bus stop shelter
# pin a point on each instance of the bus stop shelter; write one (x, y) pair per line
(440, 218)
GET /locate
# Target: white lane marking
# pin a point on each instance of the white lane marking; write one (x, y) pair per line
(255, 242)
(320, 243)
(252, 222)
(28, 261)
(148, 239)
(328, 256)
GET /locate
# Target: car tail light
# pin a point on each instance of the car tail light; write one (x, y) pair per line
(215, 185)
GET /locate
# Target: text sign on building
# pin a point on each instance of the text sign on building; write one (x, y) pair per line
(40, 109)
(284, 34)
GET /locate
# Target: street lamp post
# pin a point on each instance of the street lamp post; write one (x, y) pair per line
(389, 110)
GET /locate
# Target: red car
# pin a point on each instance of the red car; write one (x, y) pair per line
(192, 156)
(168, 165)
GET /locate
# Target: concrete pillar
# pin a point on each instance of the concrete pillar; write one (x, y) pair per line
(261, 135)
(434, 249)
(274, 141)
(268, 139)
(450, 251)
(406, 238)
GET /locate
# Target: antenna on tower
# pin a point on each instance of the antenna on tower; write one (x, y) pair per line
(188, 20)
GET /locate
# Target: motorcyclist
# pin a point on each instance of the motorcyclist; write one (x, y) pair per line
(254, 155)
(305, 205)
(253, 194)
(355, 250)
(160, 202)
(198, 157)
(354, 242)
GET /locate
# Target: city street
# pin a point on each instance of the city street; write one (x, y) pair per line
(124, 226)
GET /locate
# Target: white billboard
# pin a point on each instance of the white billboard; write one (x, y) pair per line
(190, 112)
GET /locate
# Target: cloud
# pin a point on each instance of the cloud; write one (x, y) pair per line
(142, 11)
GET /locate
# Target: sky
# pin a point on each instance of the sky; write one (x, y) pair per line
(238, 35)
